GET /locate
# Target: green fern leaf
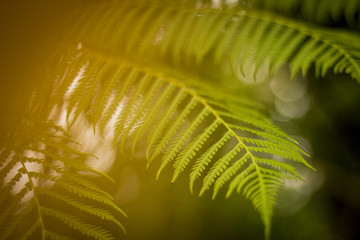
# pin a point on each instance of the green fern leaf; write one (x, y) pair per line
(174, 128)
(110, 110)
(178, 29)
(103, 214)
(155, 134)
(191, 118)
(131, 77)
(87, 229)
(219, 166)
(137, 116)
(205, 159)
(121, 118)
(173, 149)
(190, 151)
(59, 175)
(165, 95)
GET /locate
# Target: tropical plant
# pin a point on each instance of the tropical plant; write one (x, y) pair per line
(157, 74)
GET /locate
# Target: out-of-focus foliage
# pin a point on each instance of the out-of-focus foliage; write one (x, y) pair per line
(170, 80)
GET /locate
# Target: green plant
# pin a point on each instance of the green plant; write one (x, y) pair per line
(160, 71)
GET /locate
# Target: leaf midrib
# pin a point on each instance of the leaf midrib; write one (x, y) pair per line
(229, 129)
(41, 220)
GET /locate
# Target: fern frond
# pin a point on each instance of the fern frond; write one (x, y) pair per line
(174, 127)
(124, 115)
(130, 78)
(54, 170)
(243, 32)
(138, 114)
(173, 149)
(111, 100)
(169, 112)
(205, 159)
(189, 152)
(219, 166)
(101, 213)
(235, 140)
(7, 166)
(80, 190)
(163, 98)
(87, 229)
